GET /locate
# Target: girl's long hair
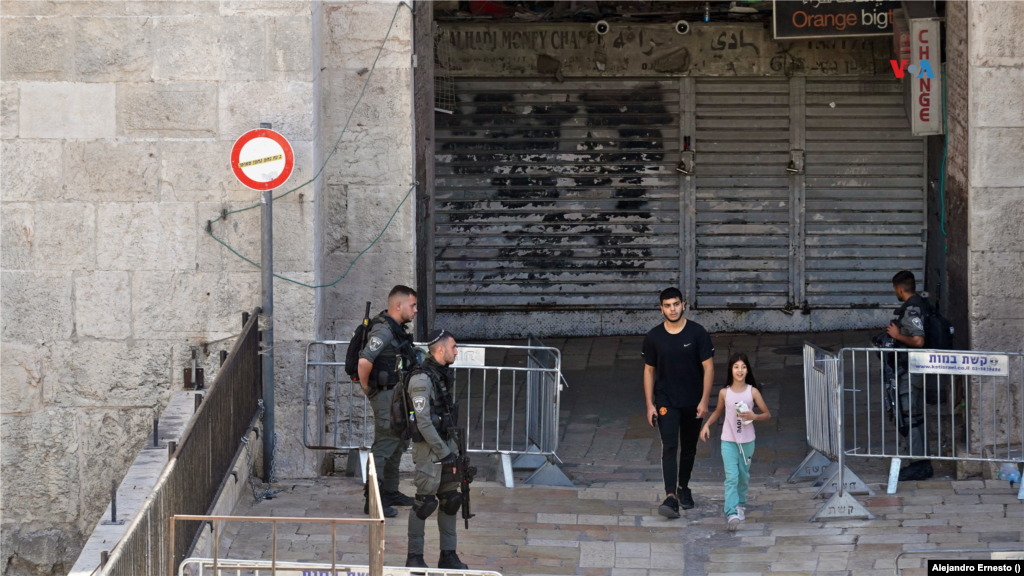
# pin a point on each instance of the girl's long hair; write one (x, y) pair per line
(741, 357)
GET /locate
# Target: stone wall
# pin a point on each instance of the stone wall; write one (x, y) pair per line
(117, 122)
(956, 298)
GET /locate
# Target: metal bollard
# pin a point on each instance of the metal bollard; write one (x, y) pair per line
(171, 447)
(104, 556)
(223, 357)
(245, 318)
(199, 400)
(156, 431)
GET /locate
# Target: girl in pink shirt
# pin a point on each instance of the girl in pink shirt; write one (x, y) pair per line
(735, 400)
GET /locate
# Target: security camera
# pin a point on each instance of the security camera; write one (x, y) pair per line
(602, 27)
(682, 27)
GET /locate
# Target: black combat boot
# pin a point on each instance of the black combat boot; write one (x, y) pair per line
(389, 512)
(415, 561)
(395, 498)
(450, 560)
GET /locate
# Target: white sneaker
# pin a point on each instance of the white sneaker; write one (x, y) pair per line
(734, 522)
(741, 511)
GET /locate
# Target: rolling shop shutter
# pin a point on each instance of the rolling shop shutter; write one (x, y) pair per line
(864, 193)
(743, 191)
(557, 195)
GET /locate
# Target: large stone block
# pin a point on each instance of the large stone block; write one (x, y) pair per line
(370, 210)
(64, 236)
(183, 305)
(36, 305)
(997, 274)
(109, 374)
(997, 97)
(369, 280)
(63, 8)
(386, 103)
(995, 33)
(147, 236)
(996, 215)
(164, 8)
(265, 7)
(103, 305)
(36, 48)
(9, 98)
(33, 169)
(31, 549)
(114, 49)
(333, 216)
(209, 49)
(354, 33)
(21, 367)
(294, 308)
(67, 110)
(372, 156)
(293, 238)
(998, 334)
(167, 110)
(995, 155)
(17, 231)
(290, 48)
(111, 171)
(199, 171)
(41, 469)
(288, 106)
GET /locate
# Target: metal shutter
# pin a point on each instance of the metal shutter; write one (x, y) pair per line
(864, 190)
(557, 195)
(743, 191)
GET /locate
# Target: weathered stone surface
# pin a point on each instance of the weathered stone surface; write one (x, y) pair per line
(294, 308)
(214, 303)
(369, 210)
(36, 48)
(1002, 334)
(288, 106)
(63, 8)
(33, 169)
(372, 156)
(149, 236)
(997, 287)
(27, 550)
(1001, 212)
(41, 303)
(294, 461)
(21, 367)
(386, 103)
(64, 236)
(290, 48)
(111, 171)
(370, 280)
(334, 220)
(103, 305)
(167, 110)
(354, 33)
(198, 171)
(997, 97)
(101, 373)
(17, 230)
(293, 238)
(164, 8)
(264, 8)
(113, 49)
(995, 33)
(41, 473)
(209, 49)
(111, 438)
(67, 110)
(8, 110)
(995, 157)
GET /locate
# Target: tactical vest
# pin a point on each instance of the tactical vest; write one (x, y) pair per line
(394, 358)
(444, 412)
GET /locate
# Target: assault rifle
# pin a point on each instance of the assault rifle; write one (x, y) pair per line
(465, 474)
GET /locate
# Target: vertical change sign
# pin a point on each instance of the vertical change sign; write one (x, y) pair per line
(262, 159)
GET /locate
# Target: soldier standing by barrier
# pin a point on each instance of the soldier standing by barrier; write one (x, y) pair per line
(435, 452)
(387, 354)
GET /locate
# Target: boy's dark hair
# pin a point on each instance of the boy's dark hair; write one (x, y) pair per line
(740, 357)
(400, 290)
(905, 279)
(670, 293)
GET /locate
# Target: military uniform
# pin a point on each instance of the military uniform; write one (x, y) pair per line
(391, 355)
(910, 387)
(437, 484)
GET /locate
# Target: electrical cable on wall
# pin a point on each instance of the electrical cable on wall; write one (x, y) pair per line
(319, 172)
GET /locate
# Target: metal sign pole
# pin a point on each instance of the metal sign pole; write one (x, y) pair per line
(267, 289)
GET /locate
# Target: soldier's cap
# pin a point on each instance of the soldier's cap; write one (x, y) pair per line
(435, 336)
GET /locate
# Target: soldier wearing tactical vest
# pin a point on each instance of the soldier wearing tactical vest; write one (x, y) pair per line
(435, 451)
(387, 355)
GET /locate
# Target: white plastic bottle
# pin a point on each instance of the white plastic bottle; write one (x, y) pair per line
(1009, 472)
(741, 407)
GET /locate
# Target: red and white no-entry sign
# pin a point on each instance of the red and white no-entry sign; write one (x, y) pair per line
(262, 159)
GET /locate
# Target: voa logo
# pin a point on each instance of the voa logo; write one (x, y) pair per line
(924, 70)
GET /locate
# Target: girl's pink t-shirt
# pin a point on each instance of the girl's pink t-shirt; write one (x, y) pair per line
(734, 430)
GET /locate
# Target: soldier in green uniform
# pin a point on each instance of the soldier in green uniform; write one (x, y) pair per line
(387, 354)
(435, 450)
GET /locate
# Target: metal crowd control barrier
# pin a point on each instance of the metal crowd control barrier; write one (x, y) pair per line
(375, 523)
(510, 410)
(870, 402)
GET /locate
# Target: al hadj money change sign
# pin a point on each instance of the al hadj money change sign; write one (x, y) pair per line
(262, 159)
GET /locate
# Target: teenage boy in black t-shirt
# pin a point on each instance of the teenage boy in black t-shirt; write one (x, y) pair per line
(678, 372)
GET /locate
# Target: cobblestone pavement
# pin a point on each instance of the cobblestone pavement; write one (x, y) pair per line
(607, 523)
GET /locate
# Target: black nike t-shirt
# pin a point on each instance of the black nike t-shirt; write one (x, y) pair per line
(677, 361)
